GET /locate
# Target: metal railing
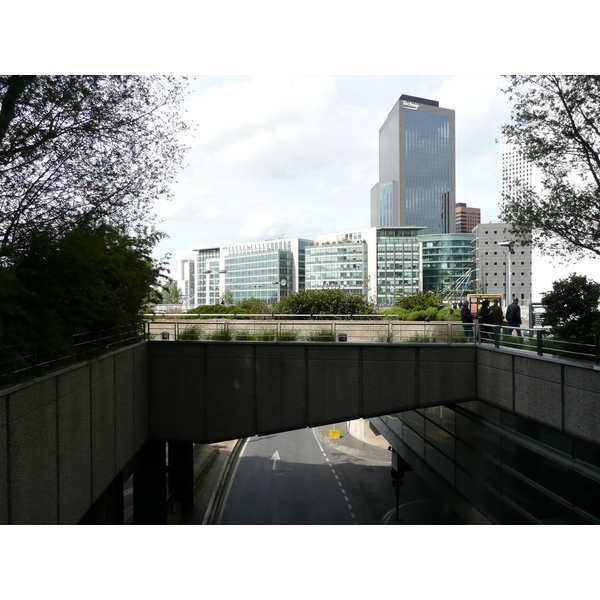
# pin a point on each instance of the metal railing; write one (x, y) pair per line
(18, 364)
(375, 328)
(21, 364)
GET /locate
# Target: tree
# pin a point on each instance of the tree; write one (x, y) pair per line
(556, 125)
(93, 277)
(170, 293)
(75, 148)
(573, 308)
(325, 302)
(420, 301)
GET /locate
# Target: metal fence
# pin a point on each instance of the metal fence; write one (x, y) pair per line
(17, 364)
(369, 328)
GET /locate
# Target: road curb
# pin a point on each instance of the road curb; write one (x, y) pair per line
(218, 495)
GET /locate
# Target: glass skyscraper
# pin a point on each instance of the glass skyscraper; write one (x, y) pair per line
(417, 186)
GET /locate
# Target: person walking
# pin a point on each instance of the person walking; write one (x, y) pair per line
(513, 317)
(467, 320)
(485, 320)
(497, 315)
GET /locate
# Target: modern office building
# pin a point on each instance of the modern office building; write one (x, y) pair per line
(417, 183)
(492, 255)
(392, 261)
(267, 270)
(447, 263)
(467, 217)
(341, 265)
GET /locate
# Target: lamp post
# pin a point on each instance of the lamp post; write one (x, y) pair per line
(508, 276)
(283, 283)
(208, 273)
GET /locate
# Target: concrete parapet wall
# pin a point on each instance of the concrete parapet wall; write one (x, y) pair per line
(64, 437)
(226, 390)
(559, 394)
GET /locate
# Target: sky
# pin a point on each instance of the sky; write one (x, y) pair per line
(295, 156)
(298, 155)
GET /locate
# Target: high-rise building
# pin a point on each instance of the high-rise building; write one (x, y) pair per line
(493, 258)
(467, 218)
(515, 168)
(417, 182)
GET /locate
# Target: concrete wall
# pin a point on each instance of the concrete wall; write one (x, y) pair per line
(559, 394)
(213, 391)
(65, 437)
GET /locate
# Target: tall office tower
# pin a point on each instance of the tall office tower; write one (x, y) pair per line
(515, 168)
(417, 181)
(467, 218)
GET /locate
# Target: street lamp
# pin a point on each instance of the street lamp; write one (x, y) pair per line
(508, 276)
(283, 283)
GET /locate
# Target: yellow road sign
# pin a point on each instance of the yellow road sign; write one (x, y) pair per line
(334, 433)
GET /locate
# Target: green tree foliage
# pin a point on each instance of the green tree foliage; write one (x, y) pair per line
(93, 277)
(556, 125)
(254, 306)
(420, 301)
(325, 302)
(169, 293)
(75, 148)
(573, 308)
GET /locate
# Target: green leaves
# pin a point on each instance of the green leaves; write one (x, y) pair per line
(573, 308)
(323, 302)
(556, 126)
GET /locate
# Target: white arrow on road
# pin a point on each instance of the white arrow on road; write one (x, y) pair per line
(275, 458)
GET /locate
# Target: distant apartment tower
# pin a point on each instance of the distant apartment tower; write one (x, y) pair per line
(186, 281)
(467, 218)
(515, 168)
(417, 181)
(492, 259)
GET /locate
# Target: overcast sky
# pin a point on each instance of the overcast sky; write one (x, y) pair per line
(298, 156)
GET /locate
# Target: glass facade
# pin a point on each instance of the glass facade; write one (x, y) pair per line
(397, 264)
(207, 276)
(448, 265)
(337, 265)
(256, 274)
(386, 204)
(510, 469)
(428, 169)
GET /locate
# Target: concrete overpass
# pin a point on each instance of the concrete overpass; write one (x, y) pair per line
(69, 440)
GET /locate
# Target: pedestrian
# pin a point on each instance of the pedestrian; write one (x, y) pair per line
(513, 317)
(485, 319)
(467, 320)
(497, 315)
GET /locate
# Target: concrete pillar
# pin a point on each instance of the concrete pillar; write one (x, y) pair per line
(150, 486)
(181, 473)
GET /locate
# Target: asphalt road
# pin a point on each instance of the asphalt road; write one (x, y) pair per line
(296, 478)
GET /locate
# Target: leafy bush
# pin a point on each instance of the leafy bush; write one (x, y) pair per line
(193, 332)
(325, 302)
(323, 335)
(420, 301)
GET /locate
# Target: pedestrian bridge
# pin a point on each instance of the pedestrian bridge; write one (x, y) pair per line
(66, 438)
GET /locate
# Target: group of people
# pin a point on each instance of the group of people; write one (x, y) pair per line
(491, 315)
